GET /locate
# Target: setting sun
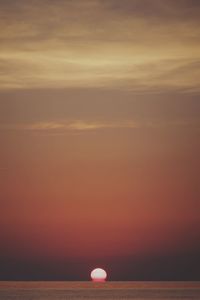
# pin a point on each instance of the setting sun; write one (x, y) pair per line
(98, 275)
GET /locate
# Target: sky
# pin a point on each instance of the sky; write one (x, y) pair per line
(99, 139)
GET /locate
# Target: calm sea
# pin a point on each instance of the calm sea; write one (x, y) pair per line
(89, 290)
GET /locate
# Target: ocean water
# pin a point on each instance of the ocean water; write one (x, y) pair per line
(108, 290)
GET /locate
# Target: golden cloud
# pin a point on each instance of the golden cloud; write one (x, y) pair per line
(99, 44)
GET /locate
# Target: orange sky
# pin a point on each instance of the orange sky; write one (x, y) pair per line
(99, 129)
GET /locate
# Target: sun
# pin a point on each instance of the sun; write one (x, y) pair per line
(98, 275)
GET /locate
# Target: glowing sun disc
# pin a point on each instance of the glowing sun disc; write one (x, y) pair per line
(98, 275)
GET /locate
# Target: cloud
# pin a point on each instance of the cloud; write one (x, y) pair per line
(139, 45)
(74, 126)
(157, 9)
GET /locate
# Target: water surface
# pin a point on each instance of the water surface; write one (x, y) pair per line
(39, 290)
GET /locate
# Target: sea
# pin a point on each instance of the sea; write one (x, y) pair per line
(46, 290)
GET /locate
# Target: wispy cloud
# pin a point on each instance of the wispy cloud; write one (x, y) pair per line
(140, 45)
(75, 125)
(62, 127)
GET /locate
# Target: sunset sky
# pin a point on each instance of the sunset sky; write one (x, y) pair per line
(99, 139)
